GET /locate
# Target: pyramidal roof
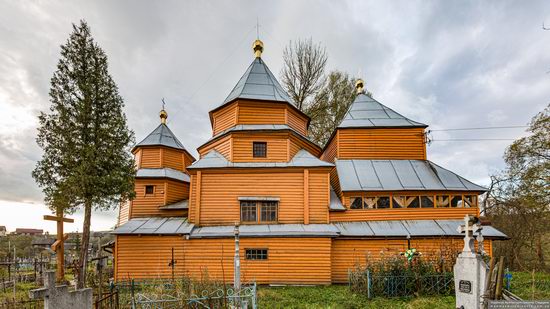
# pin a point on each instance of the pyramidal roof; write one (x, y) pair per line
(161, 136)
(258, 83)
(367, 112)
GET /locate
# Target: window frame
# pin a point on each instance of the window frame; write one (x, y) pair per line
(256, 252)
(150, 186)
(259, 143)
(259, 211)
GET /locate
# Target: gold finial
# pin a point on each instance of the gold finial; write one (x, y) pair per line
(163, 115)
(258, 47)
(360, 86)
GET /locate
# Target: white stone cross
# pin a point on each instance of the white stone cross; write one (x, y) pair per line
(469, 228)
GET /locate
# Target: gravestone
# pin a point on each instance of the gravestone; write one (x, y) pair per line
(470, 270)
(59, 297)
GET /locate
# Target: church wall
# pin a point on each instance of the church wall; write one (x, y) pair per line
(276, 146)
(250, 112)
(347, 254)
(290, 260)
(220, 190)
(297, 143)
(173, 159)
(296, 121)
(319, 197)
(165, 192)
(222, 145)
(330, 152)
(150, 158)
(224, 118)
(389, 143)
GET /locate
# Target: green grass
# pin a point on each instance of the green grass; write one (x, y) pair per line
(339, 296)
(522, 285)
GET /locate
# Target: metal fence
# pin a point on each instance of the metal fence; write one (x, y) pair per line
(401, 286)
(153, 294)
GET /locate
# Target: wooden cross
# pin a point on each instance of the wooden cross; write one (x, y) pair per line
(469, 228)
(59, 245)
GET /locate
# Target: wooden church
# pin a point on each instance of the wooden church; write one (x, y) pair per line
(306, 214)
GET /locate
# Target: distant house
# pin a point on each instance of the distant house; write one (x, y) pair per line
(2, 231)
(30, 232)
(42, 242)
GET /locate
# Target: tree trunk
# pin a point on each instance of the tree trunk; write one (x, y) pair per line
(84, 245)
(540, 253)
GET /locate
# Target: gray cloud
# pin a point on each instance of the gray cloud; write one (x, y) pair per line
(448, 64)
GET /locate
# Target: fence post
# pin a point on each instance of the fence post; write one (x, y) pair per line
(132, 294)
(368, 284)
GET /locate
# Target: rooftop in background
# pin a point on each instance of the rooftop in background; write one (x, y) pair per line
(26, 231)
(390, 175)
(161, 136)
(366, 112)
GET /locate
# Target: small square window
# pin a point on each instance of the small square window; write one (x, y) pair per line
(149, 189)
(256, 254)
(259, 149)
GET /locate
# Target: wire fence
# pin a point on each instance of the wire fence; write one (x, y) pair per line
(401, 285)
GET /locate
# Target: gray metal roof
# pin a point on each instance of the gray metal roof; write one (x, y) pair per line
(397, 228)
(183, 204)
(214, 159)
(390, 175)
(366, 112)
(268, 230)
(258, 127)
(335, 202)
(156, 225)
(258, 83)
(161, 136)
(162, 173)
(414, 228)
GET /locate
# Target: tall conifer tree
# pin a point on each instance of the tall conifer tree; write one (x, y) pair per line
(85, 138)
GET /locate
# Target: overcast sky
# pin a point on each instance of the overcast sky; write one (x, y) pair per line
(448, 64)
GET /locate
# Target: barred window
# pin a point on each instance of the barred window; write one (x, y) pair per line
(256, 254)
(248, 211)
(470, 201)
(259, 149)
(149, 189)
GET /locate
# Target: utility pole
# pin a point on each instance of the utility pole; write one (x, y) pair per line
(237, 266)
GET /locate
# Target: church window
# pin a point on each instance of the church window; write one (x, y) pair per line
(149, 189)
(259, 149)
(259, 211)
(248, 211)
(470, 201)
(406, 202)
(256, 254)
(427, 201)
(456, 201)
(383, 202)
(356, 203)
(370, 202)
(442, 201)
(268, 211)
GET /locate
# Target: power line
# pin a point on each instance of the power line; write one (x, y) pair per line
(215, 70)
(479, 128)
(471, 139)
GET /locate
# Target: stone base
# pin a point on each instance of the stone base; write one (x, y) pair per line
(470, 272)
